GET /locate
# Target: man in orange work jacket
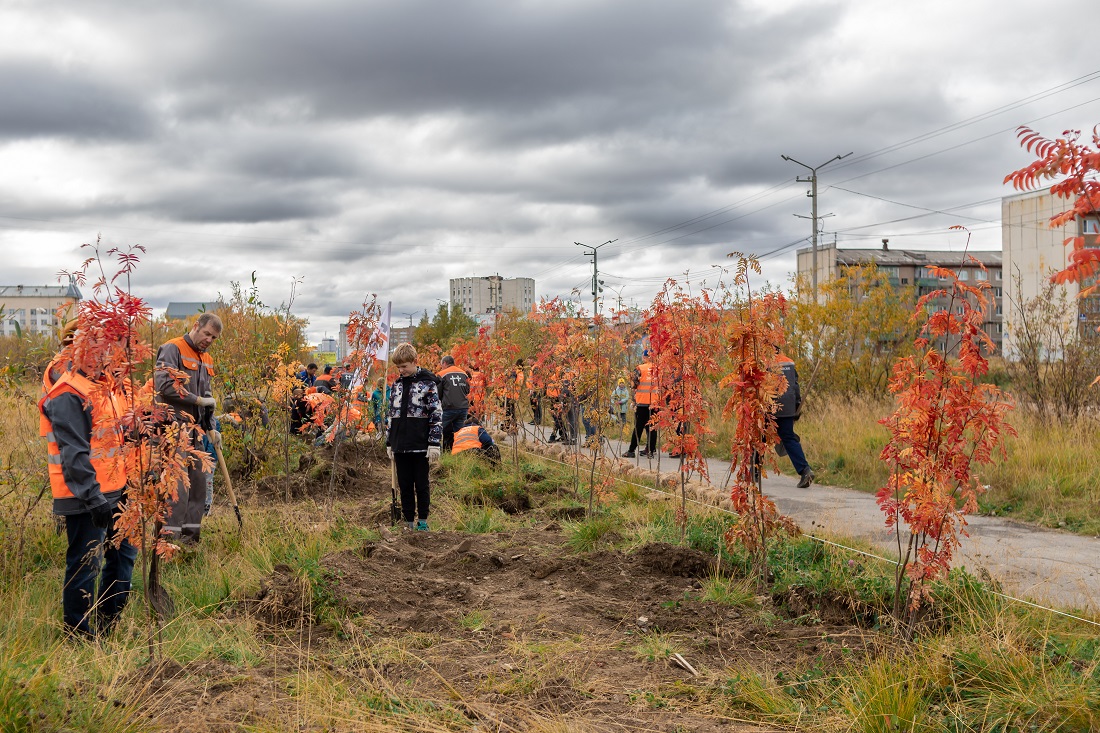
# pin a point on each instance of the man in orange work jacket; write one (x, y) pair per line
(644, 389)
(191, 401)
(87, 478)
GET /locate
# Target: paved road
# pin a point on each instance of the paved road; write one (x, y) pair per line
(1043, 565)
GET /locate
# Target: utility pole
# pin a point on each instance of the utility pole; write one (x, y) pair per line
(812, 193)
(597, 284)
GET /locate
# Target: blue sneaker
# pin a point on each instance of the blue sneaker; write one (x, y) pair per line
(422, 526)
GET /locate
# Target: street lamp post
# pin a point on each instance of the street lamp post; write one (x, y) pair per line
(812, 180)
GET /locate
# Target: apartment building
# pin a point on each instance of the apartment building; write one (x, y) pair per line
(912, 267)
(493, 294)
(1033, 251)
(33, 308)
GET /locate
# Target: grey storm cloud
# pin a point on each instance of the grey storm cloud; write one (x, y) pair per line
(40, 100)
(412, 57)
(387, 145)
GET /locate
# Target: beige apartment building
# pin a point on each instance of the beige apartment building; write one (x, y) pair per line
(1034, 251)
(911, 268)
(34, 307)
(488, 296)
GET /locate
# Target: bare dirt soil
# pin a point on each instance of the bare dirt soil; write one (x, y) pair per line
(509, 628)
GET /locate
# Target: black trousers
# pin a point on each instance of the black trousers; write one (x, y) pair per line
(412, 479)
(641, 418)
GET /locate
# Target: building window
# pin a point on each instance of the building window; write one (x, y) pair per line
(964, 274)
(997, 274)
(997, 292)
(981, 275)
(905, 281)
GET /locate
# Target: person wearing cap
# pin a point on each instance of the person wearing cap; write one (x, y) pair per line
(191, 401)
(87, 472)
(644, 387)
(620, 398)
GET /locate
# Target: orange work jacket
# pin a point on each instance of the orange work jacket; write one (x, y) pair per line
(191, 358)
(106, 457)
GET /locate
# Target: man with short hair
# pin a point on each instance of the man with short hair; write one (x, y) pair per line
(308, 375)
(325, 382)
(191, 401)
(454, 394)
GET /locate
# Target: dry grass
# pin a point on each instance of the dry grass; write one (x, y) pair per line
(1049, 474)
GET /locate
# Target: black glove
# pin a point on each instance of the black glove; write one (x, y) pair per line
(102, 515)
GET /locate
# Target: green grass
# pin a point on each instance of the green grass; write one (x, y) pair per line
(982, 664)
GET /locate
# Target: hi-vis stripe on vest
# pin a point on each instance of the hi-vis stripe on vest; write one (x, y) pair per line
(107, 458)
(191, 358)
(644, 394)
(466, 439)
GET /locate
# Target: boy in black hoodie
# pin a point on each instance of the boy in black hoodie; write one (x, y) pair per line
(416, 420)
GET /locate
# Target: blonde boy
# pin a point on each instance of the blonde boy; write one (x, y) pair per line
(416, 427)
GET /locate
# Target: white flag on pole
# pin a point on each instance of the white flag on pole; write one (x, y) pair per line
(375, 352)
(382, 353)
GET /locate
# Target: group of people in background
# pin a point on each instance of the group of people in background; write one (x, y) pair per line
(420, 414)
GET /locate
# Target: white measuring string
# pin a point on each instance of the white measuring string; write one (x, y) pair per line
(811, 536)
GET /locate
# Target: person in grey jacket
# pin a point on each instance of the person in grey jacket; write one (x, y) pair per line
(789, 410)
(191, 401)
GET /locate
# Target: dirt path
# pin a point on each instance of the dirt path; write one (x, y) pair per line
(1042, 565)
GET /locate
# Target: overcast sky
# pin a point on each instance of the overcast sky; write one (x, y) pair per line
(388, 145)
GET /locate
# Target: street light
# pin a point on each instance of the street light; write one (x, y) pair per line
(596, 283)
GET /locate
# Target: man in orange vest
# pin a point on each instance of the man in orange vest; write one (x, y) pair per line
(87, 476)
(191, 401)
(325, 382)
(644, 389)
(476, 438)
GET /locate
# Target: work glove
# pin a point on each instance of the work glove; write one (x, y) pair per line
(215, 437)
(206, 402)
(102, 515)
(433, 454)
(389, 452)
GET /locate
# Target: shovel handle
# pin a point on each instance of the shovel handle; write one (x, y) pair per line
(225, 475)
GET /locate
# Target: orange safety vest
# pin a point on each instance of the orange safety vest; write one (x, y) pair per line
(466, 439)
(643, 395)
(107, 458)
(47, 376)
(191, 358)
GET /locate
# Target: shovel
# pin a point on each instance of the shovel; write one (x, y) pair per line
(395, 507)
(162, 604)
(229, 486)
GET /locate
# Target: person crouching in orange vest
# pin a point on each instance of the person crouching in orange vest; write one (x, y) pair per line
(87, 473)
(474, 437)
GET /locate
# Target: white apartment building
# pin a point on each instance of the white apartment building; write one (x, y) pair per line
(491, 295)
(1034, 251)
(34, 307)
